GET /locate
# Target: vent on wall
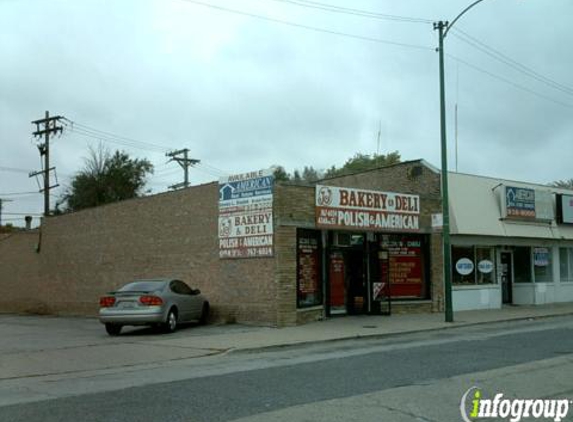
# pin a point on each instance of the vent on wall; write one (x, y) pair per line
(415, 171)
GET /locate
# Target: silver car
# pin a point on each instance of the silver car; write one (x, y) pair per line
(161, 302)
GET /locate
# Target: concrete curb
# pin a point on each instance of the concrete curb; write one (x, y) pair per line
(455, 325)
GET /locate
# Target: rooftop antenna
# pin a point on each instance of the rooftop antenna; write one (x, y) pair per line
(378, 137)
(456, 111)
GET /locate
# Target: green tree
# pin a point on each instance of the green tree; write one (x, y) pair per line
(362, 162)
(106, 178)
(310, 174)
(281, 175)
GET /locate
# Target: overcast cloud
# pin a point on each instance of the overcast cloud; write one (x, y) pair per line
(244, 93)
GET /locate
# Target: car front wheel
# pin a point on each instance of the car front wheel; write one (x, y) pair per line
(171, 322)
(204, 313)
(113, 329)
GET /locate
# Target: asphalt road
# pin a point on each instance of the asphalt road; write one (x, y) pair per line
(255, 384)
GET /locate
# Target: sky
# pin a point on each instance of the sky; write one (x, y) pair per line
(248, 84)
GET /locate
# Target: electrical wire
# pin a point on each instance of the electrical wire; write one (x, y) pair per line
(118, 137)
(15, 170)
(213, 170)
(508, 61)
(19, 193)
(354, 12)
(96, 135)
(507, 81)
(310, 28)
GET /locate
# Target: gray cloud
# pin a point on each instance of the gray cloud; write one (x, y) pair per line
(243, 93)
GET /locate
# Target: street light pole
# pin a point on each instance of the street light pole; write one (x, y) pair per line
(449, 311)
(443, 29)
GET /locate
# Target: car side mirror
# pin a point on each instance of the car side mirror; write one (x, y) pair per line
(197, 291)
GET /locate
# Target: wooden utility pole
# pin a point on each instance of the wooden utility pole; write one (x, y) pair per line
(1, 205)
(46, 127)
(185, 162)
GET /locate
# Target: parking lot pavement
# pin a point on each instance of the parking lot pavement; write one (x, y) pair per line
(43, 345)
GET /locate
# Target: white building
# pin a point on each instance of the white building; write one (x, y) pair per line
(512, 242)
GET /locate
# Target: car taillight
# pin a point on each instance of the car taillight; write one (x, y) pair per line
(151, 300)
(106, 301)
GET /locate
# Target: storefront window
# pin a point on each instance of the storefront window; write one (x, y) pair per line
(485, 266)
(542, 265)
(473, 265)
(566, 264)
(463, 262)
(309, 269)
(522, 265)
(403, 265)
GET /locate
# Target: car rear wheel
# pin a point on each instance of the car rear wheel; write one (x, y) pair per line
(113, 329)
(171, 323)
(204, 313)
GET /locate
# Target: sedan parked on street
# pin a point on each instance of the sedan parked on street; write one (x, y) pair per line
(161, 302)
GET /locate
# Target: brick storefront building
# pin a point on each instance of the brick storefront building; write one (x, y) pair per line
(316, 268)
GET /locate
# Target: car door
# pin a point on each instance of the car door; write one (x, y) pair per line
(196, 302)
(183, 300)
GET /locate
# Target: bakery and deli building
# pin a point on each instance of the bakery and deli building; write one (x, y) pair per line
(357, 244)
(281, 254)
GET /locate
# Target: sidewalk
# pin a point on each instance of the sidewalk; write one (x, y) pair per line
(38, 346)
(245, 338)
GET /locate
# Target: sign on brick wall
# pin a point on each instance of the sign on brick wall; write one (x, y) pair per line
(246, 215)
(338, 207)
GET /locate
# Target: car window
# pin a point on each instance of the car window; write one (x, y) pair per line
(177, 286)
(143, 286)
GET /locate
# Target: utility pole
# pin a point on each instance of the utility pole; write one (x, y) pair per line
(1, 204)
(185, 162)
(46, 127)
(449, 314)
(443, 28)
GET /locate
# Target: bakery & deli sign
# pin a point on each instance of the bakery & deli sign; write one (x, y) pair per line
(246, 215)
(338, 207)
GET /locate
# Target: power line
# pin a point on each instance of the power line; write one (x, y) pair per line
(97, 134)
(311, 28)
(214, 170)
(354, 12)
(15, 170)
(508, 61)
(19, 193)
(117, 139)
(510, 82)
(173, 172)
(114, 136)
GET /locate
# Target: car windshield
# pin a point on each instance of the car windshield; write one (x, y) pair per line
(143, 286)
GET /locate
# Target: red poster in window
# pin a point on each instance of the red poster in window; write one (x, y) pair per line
(406, 276)
(336, 277)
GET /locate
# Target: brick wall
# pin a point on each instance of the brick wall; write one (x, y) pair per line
(19, 273)
(412, 177)
(294, 207)
(173, 234)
